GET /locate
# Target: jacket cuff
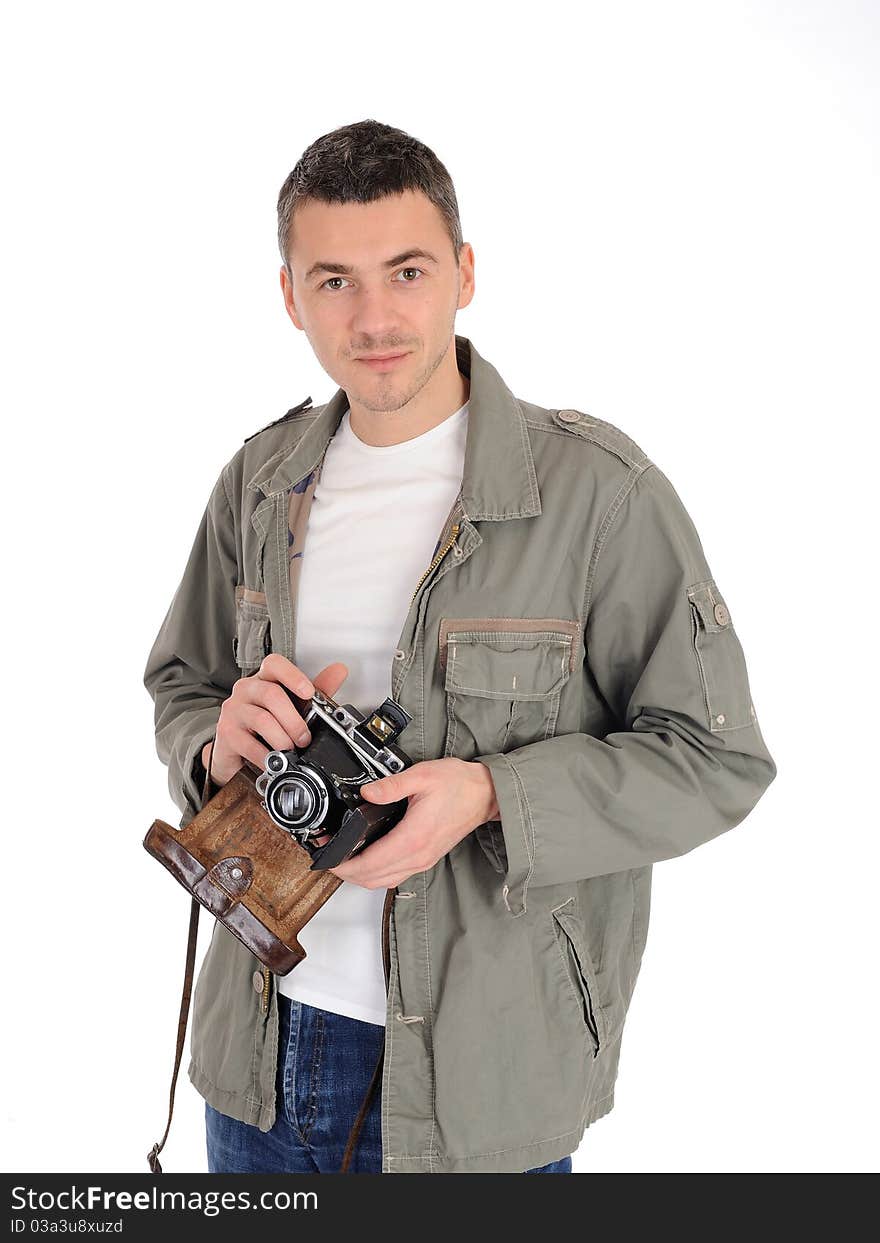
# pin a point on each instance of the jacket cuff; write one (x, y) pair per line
(186, 774)
(515, 851)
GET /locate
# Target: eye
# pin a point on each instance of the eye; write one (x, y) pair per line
(402, 270)
(332, 278)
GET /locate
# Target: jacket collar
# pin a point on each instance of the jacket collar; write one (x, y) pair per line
(498, 479)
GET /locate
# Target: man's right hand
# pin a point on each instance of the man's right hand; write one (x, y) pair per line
(259, 705)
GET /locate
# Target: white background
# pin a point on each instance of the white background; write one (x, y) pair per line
(674, 213)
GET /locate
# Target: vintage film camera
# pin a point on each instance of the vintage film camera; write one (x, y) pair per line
(315, 790)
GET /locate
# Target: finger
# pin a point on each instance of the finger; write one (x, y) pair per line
(277, 668)
(331, 678)
(273, 697)
(393, 850)
(244, 744)
(258, 720)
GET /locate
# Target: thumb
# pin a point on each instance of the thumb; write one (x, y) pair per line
(390, 789)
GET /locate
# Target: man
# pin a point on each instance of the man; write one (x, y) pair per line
(579, 698)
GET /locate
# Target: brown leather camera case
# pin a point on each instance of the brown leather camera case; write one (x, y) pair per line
(244, 869)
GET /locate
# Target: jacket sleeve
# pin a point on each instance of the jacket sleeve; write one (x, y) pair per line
(687, 760)
(191, 668)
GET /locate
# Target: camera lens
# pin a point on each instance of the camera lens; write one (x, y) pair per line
(297, 800)
(294, 801)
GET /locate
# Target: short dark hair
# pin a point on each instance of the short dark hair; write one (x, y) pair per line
(363, 162)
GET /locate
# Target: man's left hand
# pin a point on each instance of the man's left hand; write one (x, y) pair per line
(448, 799)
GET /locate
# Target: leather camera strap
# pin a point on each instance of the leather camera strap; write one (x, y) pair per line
(355, 1131)
(153, 1154)
(192, 940)
(377, 1072)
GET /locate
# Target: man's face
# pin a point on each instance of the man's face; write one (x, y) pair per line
(359, 288)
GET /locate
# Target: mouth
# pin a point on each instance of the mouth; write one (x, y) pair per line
(382, 362)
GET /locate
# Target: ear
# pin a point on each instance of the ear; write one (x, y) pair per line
(289, 301)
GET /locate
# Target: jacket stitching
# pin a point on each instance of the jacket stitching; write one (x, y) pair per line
(248, 1096)
(262, 479)
(525, 443)
(632, 932)
(255, 1069)
(498, 1152)
(418, 654)
(695, 630)
(272, 1041)
(283, 568)
(223, 475)
(599, 432)
(563, 628)
(452, 723)
(604, 529)
(389, 1030)
(429, 1024)
(525, 823)
(595, 1006)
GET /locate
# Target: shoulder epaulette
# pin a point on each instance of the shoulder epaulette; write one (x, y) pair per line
(292, 413)
(604, 434)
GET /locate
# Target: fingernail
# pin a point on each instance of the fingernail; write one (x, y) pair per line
(303, 739)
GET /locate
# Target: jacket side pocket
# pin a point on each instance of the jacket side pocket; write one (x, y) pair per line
(579, 969)
(721, 660)
(251, 641)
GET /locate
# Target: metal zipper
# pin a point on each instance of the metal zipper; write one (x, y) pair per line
(437, 558)
(264, 1001)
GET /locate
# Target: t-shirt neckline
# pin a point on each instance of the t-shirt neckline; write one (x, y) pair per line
(445, 428)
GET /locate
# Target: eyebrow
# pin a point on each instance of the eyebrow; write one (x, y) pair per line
(342, 269)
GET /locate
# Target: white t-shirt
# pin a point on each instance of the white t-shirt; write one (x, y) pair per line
(376, 516)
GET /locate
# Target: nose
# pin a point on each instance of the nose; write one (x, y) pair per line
(375, 321)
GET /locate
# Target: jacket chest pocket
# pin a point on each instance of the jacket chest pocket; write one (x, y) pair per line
(251, 641)
(503, 678)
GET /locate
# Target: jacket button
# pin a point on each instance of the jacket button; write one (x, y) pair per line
(721, 615)
(257, 981)
(569, 416)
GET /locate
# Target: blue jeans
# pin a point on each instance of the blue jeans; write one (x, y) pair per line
(325, 1063)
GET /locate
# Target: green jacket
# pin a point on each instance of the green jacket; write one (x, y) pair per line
(569, 634)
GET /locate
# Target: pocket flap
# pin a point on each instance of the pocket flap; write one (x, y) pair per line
(507, 665)
(709, 603)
